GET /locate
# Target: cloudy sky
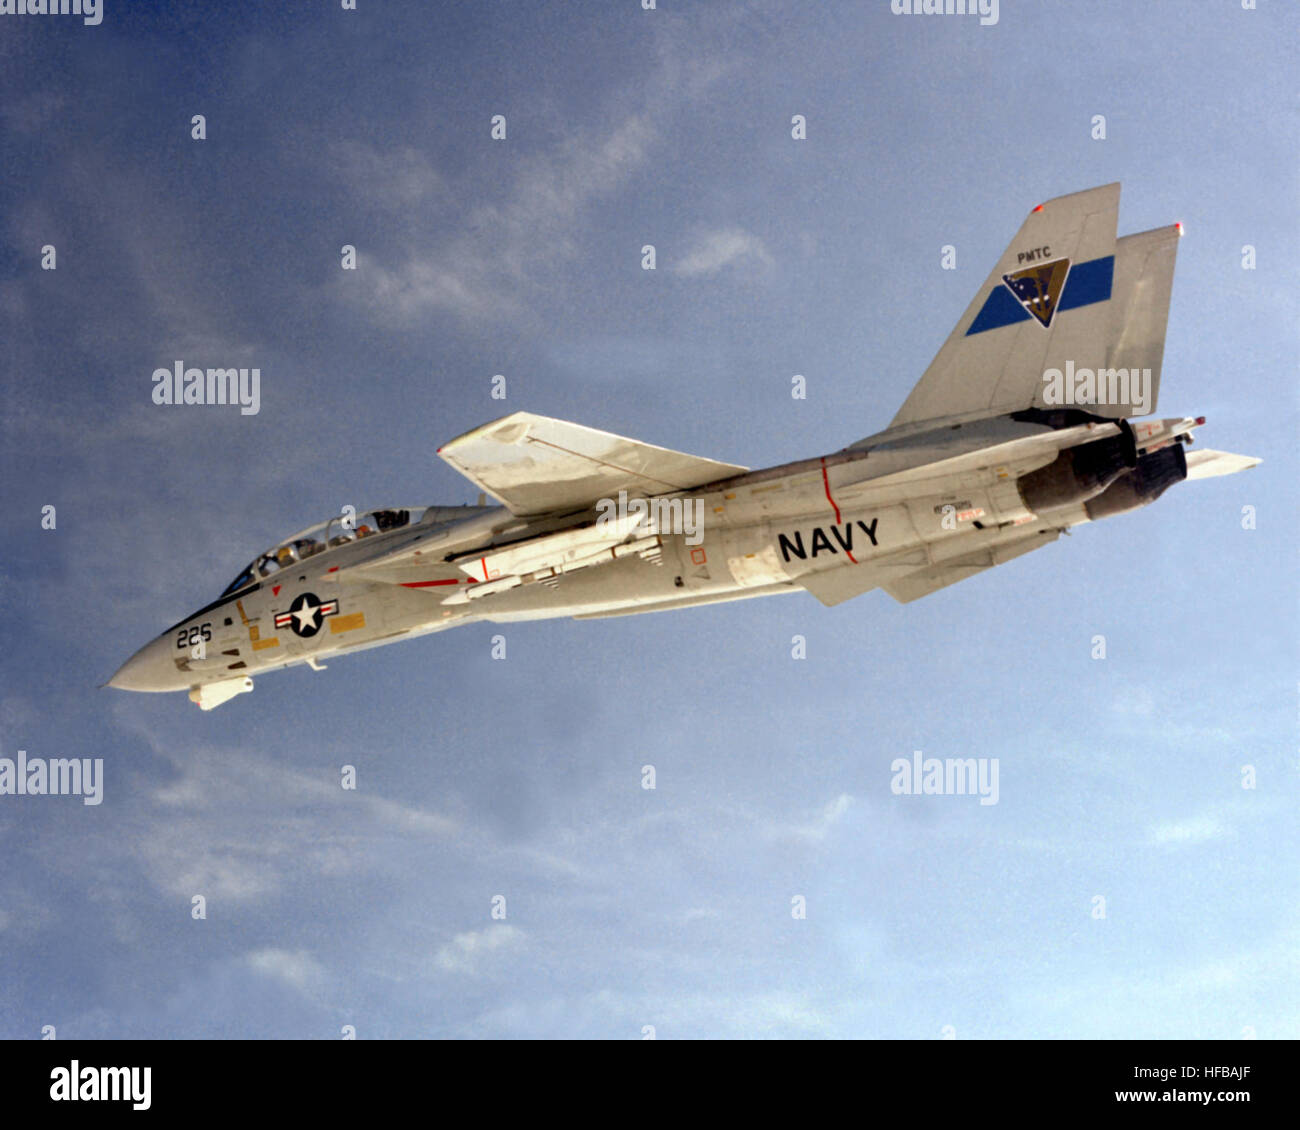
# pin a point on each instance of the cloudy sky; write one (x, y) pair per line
(1120, 779)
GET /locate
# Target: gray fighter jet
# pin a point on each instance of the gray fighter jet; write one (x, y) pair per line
(1022, 427)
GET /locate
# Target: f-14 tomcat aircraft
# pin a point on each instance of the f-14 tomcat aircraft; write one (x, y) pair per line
(1021, 428)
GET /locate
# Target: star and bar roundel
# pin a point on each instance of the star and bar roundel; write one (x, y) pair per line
(306, 614)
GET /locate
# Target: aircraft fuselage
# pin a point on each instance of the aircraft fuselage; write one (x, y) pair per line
(866, 514)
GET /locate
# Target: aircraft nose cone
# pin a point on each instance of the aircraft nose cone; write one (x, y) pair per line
(152, 668)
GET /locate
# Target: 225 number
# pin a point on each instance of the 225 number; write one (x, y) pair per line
(188, 637)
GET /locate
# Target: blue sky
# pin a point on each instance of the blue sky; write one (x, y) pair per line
(521, 777)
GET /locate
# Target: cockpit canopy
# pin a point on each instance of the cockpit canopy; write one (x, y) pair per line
(327, 535)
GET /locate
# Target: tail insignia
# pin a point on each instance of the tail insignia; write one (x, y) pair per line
(1038, 288)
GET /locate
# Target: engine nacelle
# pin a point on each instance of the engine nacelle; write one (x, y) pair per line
(1078, 473)
(1153, 475)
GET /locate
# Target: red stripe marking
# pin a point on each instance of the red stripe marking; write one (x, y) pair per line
(427, 584)
(483, 561)
(827, 484)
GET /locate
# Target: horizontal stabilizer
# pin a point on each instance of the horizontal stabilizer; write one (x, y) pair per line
(1205, 464)
(537, 465)
(925, 581)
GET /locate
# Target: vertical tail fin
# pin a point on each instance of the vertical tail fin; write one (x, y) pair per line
(1065, 295)
(1144, 279)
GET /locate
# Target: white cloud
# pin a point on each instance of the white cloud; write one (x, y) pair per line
(829, 816)
(718, 249)
(735, 1014)
(465, 952)
(503, 253)
(1197, 830)
(1147, 1001)
(234, 826)
(812, 830)
(396, 178)
(400, 294)
(1138, 700)
(294, 967)
(488, 266)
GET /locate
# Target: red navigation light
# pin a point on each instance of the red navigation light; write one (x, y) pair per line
(1200, 420)
(1179, 226)
(1039, 208)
